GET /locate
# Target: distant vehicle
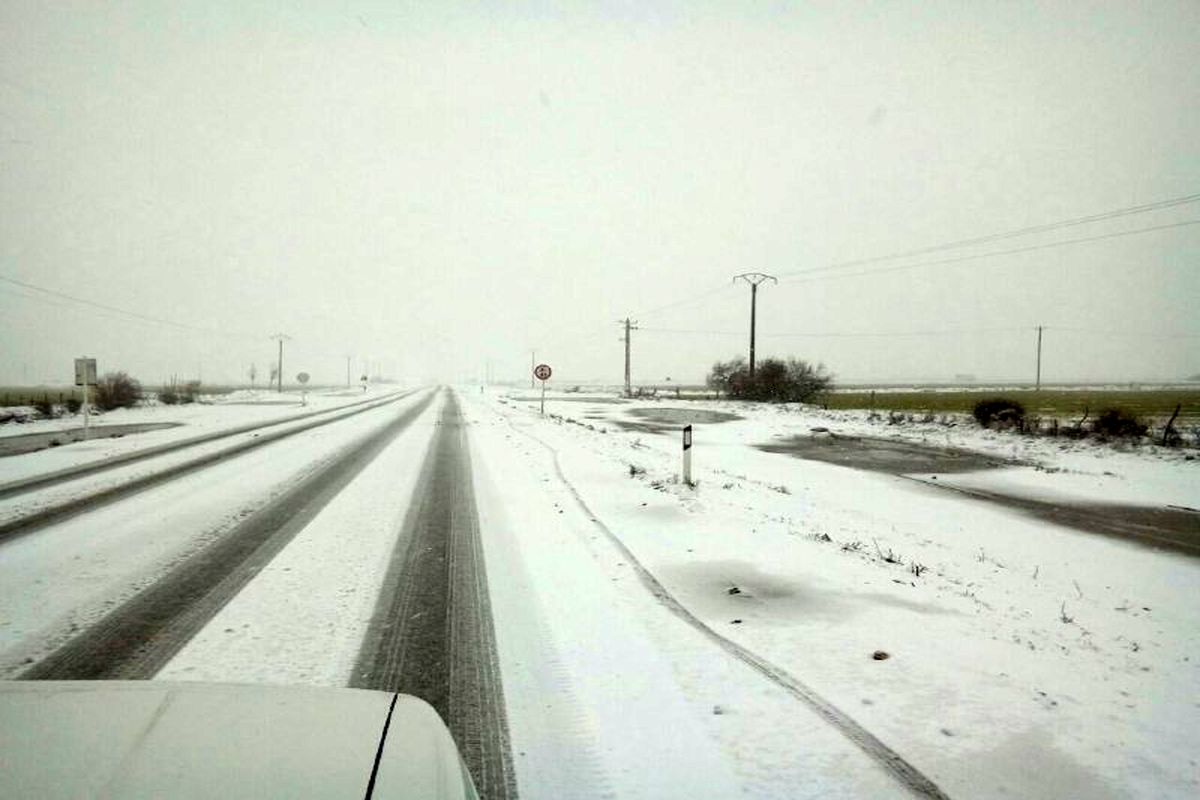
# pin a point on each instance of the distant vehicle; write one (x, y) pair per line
(192, 740)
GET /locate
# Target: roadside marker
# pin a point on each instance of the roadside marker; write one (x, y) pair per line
(687, 455)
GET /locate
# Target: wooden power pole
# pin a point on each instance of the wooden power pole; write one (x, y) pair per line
(754, 279)
(630, 325)
(1038, 379)
(280, 337)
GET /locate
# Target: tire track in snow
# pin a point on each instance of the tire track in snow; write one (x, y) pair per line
(137, 638)
(895, 764)
(431, 634)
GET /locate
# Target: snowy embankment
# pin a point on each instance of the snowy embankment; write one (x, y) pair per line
(197, 419)
(1025, 659)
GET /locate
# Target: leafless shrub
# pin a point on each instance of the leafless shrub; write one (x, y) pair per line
(890, 557)
(117, 390)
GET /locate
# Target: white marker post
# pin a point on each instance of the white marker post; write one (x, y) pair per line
(542, 372)
(85, 374)
(687, 455)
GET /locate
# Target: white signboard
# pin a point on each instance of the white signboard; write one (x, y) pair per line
(85, 372)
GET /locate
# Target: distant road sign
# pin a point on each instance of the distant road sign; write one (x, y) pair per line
(85, 371)
(542, 372)
(302, 377)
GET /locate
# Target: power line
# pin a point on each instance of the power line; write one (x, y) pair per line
(115, 312)
(839, 334)
(976, 256)
(684, 302)
(1131, 334)
(124, 312)
(991, 237)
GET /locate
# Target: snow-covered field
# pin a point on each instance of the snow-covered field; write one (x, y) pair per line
(1024, 660)
(1027, 660)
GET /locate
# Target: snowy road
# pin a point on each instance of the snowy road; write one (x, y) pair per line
(431, 634)
(588, 627)
(138, 637)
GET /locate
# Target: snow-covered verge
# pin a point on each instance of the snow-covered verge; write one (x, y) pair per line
(1024, 660)
(190, 420)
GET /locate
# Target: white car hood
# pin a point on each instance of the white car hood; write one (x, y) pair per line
(190, 740)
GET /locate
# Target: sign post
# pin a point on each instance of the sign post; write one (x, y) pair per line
(687, 455)
(303, 378)
(85, 375)
(542, 372)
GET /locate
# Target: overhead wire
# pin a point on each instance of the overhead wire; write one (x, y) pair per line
(991, 237)
(122, 311)
(991, 254)
(841, 334)
(56, 298)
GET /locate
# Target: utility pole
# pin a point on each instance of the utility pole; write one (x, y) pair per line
(754, 279)
(348, 371)
(281, 337)
(630, 325)
(532, 365)
(1038, 385)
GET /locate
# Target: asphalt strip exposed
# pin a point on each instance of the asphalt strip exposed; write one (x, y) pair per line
(137, 638)
(895, 764)
(431, 635)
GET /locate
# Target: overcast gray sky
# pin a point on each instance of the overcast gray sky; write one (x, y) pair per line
(433, 190)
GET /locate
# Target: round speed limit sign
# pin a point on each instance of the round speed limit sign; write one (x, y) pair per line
(542, 372)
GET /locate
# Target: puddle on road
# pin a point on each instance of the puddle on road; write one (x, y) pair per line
(885, 455)
(664, 420)
(705, 588)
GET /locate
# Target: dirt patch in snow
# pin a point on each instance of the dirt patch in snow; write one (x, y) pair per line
(885, 455)
(739, 590)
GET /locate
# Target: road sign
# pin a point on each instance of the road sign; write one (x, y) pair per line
(542, 372)
(85, 376)
(85, 372)
(302, 377)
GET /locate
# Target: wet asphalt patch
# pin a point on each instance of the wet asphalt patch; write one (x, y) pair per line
(886, 455)
(671, 419)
